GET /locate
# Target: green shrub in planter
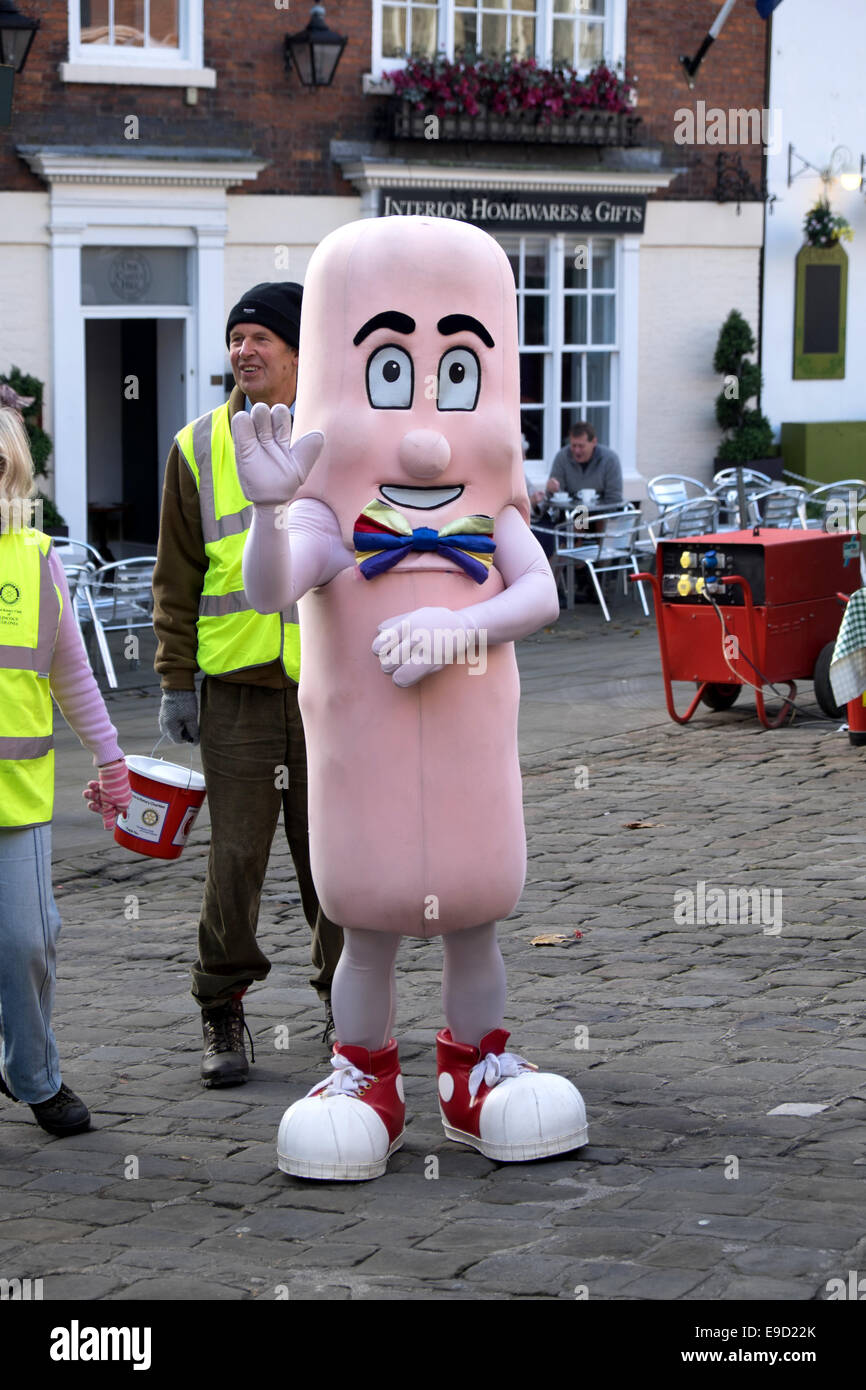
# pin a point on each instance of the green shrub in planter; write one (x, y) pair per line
(750, 434)
(50, 515)
(40, 442)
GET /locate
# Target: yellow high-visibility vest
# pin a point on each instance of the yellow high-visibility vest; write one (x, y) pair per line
(231, 634)
(30, 608)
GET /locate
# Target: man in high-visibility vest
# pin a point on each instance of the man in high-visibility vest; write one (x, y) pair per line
(252, 737)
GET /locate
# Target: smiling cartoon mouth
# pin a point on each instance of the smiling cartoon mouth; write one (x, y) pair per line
(427, 498)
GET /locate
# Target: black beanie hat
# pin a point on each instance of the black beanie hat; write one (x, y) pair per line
(275, 306)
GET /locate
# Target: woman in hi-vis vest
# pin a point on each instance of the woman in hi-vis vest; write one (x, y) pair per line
(41, 654)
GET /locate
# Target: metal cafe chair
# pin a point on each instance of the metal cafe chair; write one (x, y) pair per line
(725, 487)
(674, 489)
(700, 517)
(613, 550)
(118, 597)
(781, 507)
(727, 477)
(839, 506)
(77, 578)
(73, 552)
(832, 501)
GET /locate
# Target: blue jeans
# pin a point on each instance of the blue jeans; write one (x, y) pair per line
(29, 927)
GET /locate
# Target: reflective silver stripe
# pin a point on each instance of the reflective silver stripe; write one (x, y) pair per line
(202, 432)
(49, 616)
(233, 524)
(213, 528)
(221, 605)
(19, 748)
(217, 529)
(19, 658)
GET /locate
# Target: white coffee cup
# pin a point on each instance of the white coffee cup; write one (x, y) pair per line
(588, 496)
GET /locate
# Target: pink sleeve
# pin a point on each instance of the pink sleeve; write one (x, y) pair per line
(289, 550)
(529, 600)
(73, 685)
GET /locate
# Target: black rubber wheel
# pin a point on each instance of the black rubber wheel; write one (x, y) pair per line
(823, 689)
(720, 697)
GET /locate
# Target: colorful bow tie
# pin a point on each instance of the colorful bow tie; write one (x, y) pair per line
(383, 537)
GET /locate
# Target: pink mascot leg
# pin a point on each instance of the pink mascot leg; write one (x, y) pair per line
(489, 1098)
(348, 1125)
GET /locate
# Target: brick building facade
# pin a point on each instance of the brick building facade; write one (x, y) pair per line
(141, 192)
(255, 105)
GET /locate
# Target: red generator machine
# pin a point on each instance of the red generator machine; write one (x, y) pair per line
(751, 608)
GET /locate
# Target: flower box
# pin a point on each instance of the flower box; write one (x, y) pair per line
(588, 127)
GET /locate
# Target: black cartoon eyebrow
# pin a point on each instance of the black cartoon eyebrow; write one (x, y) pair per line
(455, 323)
(391, 318)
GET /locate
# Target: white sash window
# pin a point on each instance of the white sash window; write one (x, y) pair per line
(574, 33)
(569, 344)
(147, 42)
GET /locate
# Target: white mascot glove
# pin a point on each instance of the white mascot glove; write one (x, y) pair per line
(413, 645)
(270, 467)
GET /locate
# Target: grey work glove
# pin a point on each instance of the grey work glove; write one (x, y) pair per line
(178, 716)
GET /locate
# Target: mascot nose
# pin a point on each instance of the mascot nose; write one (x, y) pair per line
(424, 453)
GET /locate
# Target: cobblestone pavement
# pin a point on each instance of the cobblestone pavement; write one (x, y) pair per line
(684, 1036)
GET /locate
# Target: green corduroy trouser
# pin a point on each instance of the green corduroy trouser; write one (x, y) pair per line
(249, 733)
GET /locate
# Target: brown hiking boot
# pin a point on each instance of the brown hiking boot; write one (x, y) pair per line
(224, 1060)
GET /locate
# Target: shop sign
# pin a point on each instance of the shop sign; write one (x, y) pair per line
(514, 211)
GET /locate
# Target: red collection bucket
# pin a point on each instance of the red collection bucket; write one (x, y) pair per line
(857, 721)
(166, 799)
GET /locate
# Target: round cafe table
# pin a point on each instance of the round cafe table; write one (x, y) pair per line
(551, 515)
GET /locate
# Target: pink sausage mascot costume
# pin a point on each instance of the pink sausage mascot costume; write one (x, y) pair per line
(407, 547)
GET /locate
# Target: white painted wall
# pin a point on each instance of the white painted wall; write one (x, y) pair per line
(274, 238)
(697, 262)
(818, 88)
(261, 229)
(25, 321)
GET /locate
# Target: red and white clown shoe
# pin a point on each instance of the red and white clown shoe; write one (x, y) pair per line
(502, 1105)
(347, 1126)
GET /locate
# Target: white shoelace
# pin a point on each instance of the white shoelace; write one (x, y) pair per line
(495, 1068)
(345, 1080)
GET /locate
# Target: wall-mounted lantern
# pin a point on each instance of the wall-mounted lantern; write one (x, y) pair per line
(315, 51)
(840, 166)
(16, 35)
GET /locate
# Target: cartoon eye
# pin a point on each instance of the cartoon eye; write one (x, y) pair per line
(459, 380)
(389, 378)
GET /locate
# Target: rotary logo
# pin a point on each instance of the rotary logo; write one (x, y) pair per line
(149, 817)
(9, 593)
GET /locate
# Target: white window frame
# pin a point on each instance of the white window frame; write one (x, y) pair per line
(150, 67)
(559, 245)
(614, 35)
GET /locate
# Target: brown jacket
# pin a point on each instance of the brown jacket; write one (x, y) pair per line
(178, 579)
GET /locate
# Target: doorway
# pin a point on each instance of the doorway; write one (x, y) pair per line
(135, 403)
